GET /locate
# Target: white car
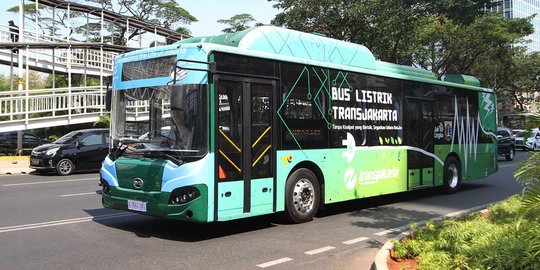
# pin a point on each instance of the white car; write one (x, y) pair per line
(533, 142)
(520, 140)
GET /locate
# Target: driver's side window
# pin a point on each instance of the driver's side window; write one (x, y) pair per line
(92, 139)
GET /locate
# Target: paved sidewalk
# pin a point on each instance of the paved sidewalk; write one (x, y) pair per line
(11, 165)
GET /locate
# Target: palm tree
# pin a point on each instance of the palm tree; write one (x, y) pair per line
(103, 121)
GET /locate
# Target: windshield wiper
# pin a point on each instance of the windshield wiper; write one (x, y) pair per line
(176, 160)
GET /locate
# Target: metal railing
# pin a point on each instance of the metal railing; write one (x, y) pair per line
(82, 58)
(49, 103)
(48, 107)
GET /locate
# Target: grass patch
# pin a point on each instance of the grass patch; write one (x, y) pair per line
(476, 242)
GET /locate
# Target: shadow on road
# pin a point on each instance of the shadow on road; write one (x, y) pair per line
(378, 212)
(370, 213)
(146, 227)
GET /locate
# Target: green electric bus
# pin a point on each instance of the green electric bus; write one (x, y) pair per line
(274, 120)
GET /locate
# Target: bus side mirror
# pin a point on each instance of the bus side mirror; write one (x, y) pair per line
(108, 95)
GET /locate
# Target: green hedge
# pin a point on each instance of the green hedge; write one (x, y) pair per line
(476, 242)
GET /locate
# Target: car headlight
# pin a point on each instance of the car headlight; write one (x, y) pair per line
(52, 152)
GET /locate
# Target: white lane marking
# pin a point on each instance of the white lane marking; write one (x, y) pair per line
(354, 241)
(274, 262)
(392, 231)
(319, 250)
(507, 165)
(50, 182)
(62, 222)
(79, 194)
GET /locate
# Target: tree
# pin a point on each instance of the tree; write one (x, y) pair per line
(4, 82)
(448, 47)
(182, 30)
(528, 174)
(48, 25)
(389, 28)
(514, 75)
(237, 23)
(165, 13)
(103, 121)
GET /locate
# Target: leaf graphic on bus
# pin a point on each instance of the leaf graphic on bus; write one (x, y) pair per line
(399, 140)
(387, 140)
(381, 141)
(392, 140)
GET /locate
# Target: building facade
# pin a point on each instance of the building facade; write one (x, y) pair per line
(522, 9)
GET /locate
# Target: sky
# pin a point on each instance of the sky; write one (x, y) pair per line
(209, 11)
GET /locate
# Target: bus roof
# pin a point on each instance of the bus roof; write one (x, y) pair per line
(300, 45)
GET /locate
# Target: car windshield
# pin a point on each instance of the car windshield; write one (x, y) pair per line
(166, 119)
(519, 134)
(69, 138)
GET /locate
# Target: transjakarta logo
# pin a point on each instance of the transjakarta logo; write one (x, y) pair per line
(367, 177)
(352, 178)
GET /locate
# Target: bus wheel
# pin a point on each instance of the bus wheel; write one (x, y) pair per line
(452, 175)
(302, 196)
(65, 167)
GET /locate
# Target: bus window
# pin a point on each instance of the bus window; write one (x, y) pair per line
(261, 130)
(230, 130)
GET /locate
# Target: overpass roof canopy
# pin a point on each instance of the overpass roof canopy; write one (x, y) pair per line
(114, 17)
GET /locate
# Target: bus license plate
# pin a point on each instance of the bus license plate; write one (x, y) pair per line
(137, 206)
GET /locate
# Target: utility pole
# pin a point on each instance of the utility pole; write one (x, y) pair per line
(20, 76)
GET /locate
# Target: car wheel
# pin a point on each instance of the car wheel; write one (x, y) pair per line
(302, 196)
(511, 153)
(452, 175)
(65, 167)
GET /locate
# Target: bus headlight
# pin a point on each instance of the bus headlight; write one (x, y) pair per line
(184, 195)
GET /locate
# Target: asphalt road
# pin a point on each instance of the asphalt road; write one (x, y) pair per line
(53, 222)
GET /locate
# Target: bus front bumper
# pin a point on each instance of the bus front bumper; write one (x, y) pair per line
(156, 203)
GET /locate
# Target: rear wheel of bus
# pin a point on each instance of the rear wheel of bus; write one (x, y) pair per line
(302, 196)
(452, 175)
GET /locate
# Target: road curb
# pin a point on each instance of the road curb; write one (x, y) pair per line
(13, 165)
(384, 252)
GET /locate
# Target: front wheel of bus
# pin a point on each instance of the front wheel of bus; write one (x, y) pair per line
(302, 196)
(452, 175)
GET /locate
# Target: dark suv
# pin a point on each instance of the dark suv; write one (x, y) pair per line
(78, 150)
(8, 142)
(506, 144)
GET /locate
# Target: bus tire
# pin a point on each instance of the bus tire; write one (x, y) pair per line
(452, 175)
(302, 196)
(65, 166)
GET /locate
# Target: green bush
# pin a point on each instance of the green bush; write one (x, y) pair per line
(475, 242)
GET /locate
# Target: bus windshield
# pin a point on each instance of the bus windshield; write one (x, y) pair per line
(163, 120)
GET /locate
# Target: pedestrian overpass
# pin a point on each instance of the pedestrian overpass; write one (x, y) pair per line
(23, 108)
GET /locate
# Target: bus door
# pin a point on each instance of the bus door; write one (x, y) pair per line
(245, 147)
(419, 136)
